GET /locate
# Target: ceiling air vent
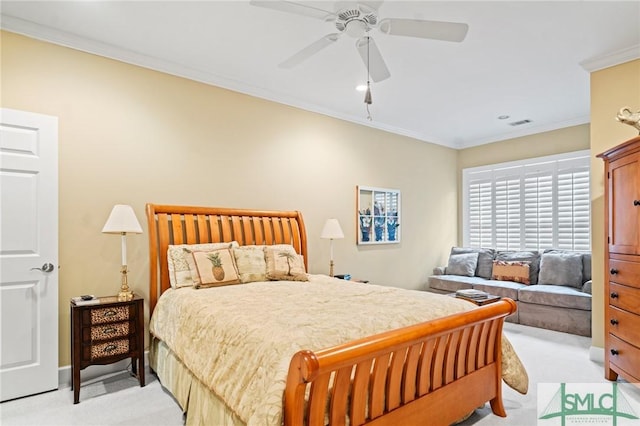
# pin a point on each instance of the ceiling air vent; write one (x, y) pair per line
(520, 123)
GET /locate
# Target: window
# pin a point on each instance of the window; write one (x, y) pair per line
(529, 205)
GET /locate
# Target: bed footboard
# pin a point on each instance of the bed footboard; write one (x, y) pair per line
(430, 373)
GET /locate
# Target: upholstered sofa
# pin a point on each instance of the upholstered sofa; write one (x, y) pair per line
(552, 288)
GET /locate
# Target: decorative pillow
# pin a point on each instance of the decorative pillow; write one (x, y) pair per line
(213, 268)
(586, 261)
(179, 273)
(283, 265)
(462, 264)
(251, 264)
(561, 269)
(485, 259)
(525, 256)
(516, 271)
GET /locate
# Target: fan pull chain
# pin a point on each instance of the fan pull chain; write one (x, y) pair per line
(367, 96)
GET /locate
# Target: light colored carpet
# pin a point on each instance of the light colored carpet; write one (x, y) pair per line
(550, 357)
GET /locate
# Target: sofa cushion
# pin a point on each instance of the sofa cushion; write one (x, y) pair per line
(500, 288)
(555, 295)
(516, 271)
(453, 283)
(462, 264)
(527, 256)
(563, 269)
(485, 259)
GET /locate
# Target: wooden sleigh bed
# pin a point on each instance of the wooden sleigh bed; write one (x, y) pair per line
(432, 372)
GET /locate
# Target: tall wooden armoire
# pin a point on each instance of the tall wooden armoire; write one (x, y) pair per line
(622, 261)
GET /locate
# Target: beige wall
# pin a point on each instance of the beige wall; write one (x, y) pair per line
(131, 135)
(611, 89)
(569, 139)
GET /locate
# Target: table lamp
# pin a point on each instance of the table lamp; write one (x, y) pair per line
(122, 220)
(331, 231)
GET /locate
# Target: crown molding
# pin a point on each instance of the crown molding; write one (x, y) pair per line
(611, 59)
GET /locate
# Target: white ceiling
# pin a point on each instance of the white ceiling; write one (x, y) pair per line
(521, 59)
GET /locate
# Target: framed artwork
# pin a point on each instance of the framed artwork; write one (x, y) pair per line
(378, 215)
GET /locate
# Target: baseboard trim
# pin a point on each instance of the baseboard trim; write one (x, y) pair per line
(95, 371)
(596, 354)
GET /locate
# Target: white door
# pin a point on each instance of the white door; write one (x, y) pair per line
(28, 253)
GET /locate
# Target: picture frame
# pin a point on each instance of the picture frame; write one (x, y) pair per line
(378, 215)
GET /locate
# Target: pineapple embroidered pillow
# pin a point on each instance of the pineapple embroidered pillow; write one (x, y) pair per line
(177, 256)
(284, 265)
(213, 268)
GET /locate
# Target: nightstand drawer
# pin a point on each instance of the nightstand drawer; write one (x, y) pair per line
(105, 315)
(108, 331)
(107, 349)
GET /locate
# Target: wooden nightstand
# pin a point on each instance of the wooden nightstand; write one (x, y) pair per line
(105, 332)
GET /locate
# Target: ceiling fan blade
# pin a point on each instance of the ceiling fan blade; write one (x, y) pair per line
(372, 59)
(293, 7)
(438, 30)
(310, 50)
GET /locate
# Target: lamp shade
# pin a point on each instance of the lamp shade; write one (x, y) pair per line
(332, 230)
(122, 219)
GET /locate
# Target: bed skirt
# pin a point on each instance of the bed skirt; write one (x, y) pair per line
(200, 405)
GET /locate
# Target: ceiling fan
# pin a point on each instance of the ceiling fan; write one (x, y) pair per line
(357, 19)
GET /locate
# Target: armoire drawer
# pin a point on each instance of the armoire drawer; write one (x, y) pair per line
(624, 272)
(624, 325)
(624, 356)
(624, 297)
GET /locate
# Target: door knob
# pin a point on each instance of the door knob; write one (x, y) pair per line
(47, 267)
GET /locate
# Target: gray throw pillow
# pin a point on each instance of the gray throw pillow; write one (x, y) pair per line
(485, 259)
(526, 256)
(462, 264)
(586, 262)
(561, 269)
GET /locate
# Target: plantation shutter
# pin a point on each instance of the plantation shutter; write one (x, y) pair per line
(538, 208)
(480, 211)
(529, 205)
(573, 207)
(507, 213)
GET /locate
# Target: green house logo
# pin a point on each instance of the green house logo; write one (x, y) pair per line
(589, 404)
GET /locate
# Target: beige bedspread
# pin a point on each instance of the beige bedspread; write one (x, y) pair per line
(238, 340)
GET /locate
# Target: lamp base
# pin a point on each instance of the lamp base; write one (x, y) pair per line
(125, 293)
(331, 268)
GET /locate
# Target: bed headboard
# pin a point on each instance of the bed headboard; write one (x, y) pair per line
(193, 225)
